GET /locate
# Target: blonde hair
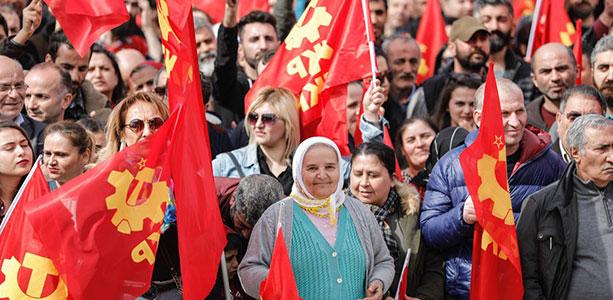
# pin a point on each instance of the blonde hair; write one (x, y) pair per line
(285, 106)
(117, 119)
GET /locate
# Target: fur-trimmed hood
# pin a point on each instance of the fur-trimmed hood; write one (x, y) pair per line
(409, 197)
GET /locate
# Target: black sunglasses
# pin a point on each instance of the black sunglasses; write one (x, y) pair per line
(137, 125)
(267, 119)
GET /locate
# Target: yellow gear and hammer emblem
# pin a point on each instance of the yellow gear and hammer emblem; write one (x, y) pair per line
(490, 189)
(130, 214)
(41, 268)
(310, 30)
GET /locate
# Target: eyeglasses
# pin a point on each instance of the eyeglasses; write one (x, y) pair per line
(572, 115)
(137, 125)
(267, 119)
(18, 87)
(160, 90)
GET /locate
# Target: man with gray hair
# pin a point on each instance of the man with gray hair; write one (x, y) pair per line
(48, 93)
(602, 69)
(448, 214)
(565, 231)
(242, 202)
(578, 101)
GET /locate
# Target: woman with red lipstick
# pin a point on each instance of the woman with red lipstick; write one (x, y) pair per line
(455, 106)
(274, 134)
(16, 158)
(67, 150)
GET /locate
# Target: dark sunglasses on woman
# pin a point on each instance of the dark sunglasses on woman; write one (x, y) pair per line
(267, 119)
(137, 125)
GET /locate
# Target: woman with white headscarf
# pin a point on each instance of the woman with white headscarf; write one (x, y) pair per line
(335, 245)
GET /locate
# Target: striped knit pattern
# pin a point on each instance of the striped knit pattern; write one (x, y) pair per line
(318, 267)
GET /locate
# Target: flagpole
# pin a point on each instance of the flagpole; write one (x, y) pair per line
(371, 44)
(224, 276)
(19, 193)
(535, 16)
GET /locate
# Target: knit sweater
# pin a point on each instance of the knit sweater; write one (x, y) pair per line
(323, 271)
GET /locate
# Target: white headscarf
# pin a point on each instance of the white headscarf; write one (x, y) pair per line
(299, 192)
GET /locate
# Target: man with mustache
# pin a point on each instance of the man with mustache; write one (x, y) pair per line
(48, 93)
(469, 45)
(554, 70)
(206, 46)
(564, 231)
(497, 17)
(87, 102)
(448, 214)
(602, 70)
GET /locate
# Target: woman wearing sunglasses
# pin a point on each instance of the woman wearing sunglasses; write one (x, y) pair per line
(68, 148)
(132, 120)
(273, 129)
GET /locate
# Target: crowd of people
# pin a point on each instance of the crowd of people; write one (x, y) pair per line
(349, 222)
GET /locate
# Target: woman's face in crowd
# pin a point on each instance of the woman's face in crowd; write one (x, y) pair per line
(461, 108)
(15, 153)
(416, 140)
(267, 132)
(320, 172)
(62, 159)
(101, 73)
(370, 181)
(144, 113)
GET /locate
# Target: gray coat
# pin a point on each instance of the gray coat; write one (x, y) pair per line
(254, 266)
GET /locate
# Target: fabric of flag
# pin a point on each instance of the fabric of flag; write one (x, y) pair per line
(578, 50)
(280, 283)
(401, 292)
(202, 236)
(387, 139)
(554, 26)
(522, 8)
(216, 9)
(496, 269)
(325, 50)
(84, 21)
(21, 252)
(101, 228)
(431, 37)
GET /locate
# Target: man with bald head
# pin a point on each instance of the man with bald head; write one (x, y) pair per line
(554, 70)
(127, 60)
(448, 214)
(48, 93)
(12, 91)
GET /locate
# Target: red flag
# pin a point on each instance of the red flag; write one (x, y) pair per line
(202, 236)
(553, 26)
(431, 37)
(84, 21)
(578, 50)
(496, 270)
(522, 8)
(326, 49)
(280, 282)
(216, 9)
(21, 252)
(404, 278)
(388, 141)
(101, 229)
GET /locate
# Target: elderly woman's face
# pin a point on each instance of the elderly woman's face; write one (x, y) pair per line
(320, 172)
(142, 119)
(370, 181)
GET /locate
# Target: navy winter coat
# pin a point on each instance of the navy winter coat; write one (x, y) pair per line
(441, 216)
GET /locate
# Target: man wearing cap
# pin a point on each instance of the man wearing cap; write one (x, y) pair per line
(469, 45)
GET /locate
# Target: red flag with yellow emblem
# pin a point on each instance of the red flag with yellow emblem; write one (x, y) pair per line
(101, 229)
(431, 37)
(326, 49)
(21, 253)
(553, 26)
(202, 235)
(496, 269)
